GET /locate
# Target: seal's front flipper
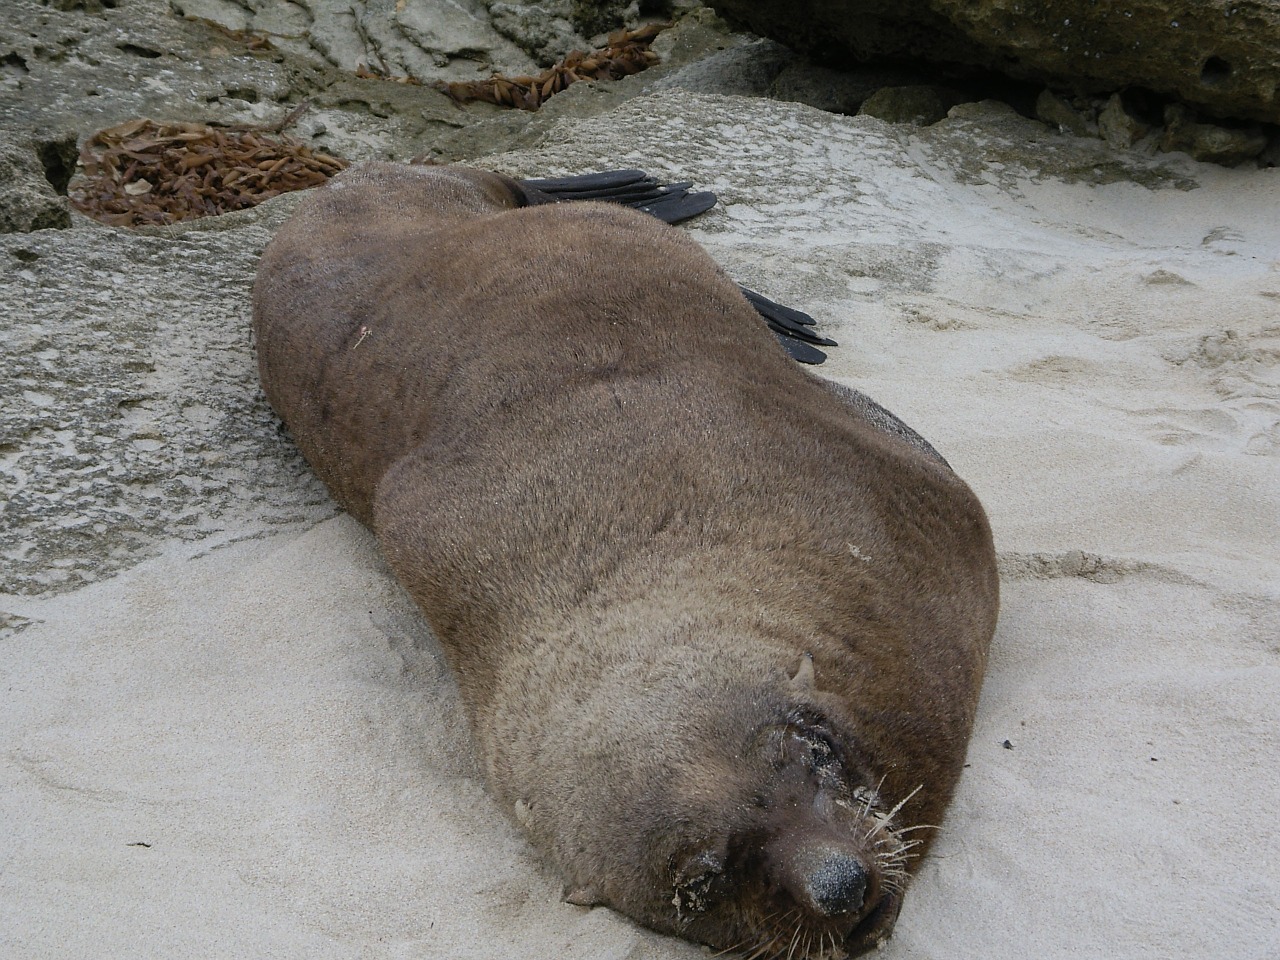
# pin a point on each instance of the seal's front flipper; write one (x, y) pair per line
(632, 188)
(587, 896)
(791, 327)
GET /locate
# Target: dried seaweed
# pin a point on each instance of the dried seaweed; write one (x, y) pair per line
(143, 172)
(626, 53)
(252, 40)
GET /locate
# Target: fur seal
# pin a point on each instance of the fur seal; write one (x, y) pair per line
(719, 625)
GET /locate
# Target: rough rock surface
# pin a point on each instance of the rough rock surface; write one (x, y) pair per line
(28, 200)
(416, 38)
(1118, 126)
(1061, 115)
(840, 91)
(67, 71)
(74, 71)
(1209, 142)
(132, 413)
(919, 104)
(428, 39)
(1217, 54)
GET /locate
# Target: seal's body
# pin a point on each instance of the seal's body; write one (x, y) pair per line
(713, 619)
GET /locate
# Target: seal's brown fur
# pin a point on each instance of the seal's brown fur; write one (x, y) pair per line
(713, 619)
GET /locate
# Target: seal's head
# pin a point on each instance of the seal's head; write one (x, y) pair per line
(754, 822)
(810, 866)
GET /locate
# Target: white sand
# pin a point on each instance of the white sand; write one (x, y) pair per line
(1100, 362)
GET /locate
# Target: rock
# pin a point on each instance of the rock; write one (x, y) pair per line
(422, 39)
(1209, 142)
(27, 198)
(1118, 126)
(748, 69)
(921, 105)
(701, 54)
(698, 54)
(985, 141)
(65, 74)
(1270, 157)
(596, 17)
(1218, 54)
(544, 30)
(138, 416)
(1053, 110)
(84, 71)
(839, 91)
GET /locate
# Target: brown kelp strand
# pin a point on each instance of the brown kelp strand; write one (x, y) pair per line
(148, 173)
(627, 52)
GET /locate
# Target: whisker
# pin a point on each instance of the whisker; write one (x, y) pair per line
(903, 802)
(895, 859)
(918, 826)
(898, 867)
(867, 801)
(795, 938)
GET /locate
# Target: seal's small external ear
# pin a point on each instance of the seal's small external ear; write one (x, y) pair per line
(696, 877)
(804, 681)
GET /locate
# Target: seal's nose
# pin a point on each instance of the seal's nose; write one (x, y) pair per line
(823, 875)
(833, 882)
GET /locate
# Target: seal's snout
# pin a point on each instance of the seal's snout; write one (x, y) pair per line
(827, 880)
(834, 886)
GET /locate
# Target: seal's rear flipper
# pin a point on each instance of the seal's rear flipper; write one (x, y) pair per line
(800, 351)
(632, 188)
(791, 327)
(673, 202)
